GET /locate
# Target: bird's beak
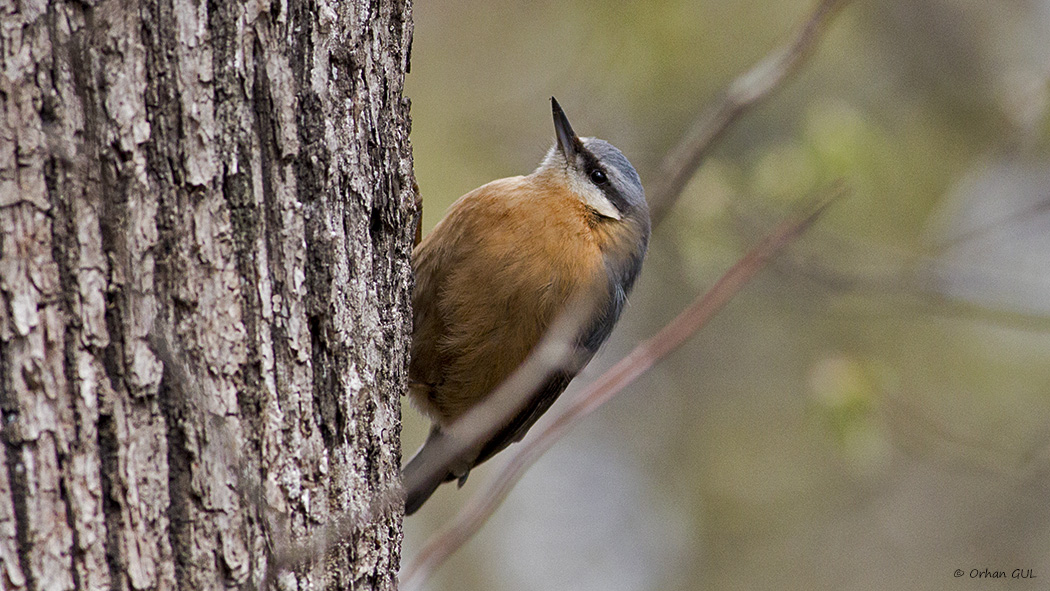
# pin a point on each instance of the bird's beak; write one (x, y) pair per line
(568, 143)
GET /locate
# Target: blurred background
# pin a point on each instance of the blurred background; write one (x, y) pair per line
(873, 411)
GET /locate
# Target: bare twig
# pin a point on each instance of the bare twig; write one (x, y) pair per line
(643, 357)
(745, 92)
(679, 166)
(555, 351)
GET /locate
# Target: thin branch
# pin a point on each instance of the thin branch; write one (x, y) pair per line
(641, 359)
(679, 166)
(556, 351)
(745, 92)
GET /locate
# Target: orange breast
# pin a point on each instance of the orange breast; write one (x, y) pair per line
(490, 279)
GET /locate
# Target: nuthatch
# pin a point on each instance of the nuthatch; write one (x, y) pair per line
(495, 272)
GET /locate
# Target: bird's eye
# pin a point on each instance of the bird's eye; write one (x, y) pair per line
(598, 177)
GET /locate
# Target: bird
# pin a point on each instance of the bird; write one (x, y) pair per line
(493, 274)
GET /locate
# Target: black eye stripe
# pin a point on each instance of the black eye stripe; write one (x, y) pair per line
(589, 163)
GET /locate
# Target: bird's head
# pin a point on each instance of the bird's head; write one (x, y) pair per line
(595, 172)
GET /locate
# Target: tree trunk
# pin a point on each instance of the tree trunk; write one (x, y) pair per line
(206, 212)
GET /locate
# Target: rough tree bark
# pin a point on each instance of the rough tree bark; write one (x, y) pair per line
(231, 182)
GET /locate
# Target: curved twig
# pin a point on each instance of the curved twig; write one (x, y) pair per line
(640, 360)
(745, 92)
(678, 167)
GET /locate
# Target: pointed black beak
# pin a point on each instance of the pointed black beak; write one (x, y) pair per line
(568, 143)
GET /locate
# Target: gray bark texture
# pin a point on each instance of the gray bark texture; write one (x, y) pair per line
(207, 213)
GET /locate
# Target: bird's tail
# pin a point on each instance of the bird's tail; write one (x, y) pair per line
(420, 476)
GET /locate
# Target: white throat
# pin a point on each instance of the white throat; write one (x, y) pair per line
(593, 197)
(581, 187)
